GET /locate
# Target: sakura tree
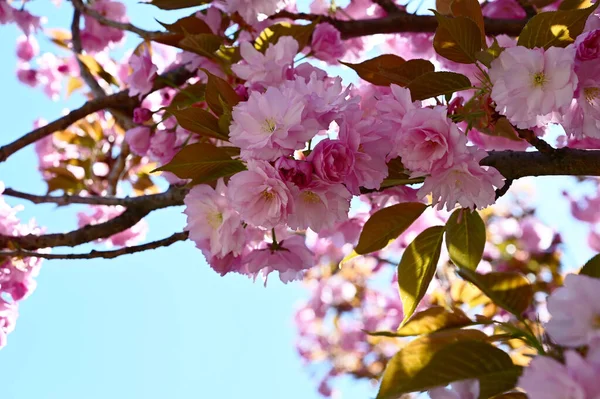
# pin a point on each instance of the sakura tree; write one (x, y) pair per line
(391, 198)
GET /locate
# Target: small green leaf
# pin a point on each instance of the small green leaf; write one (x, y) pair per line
(177, 4)
(386, 225)
(433, 84)
(592, 267)
(377, 70)
(199, 121)
(272, 34)
(457, 39)
(509, 290)
(458, 361)
(472, 10)
(433, 319)
(203, 163)
(465, 238)
(417, 267)
(554, 28)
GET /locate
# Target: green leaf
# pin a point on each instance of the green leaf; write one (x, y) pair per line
(458, 361)
(417, 267)
(189, 96)
(377, 70)
(433, 319)
(457, 39)
(509, 290)
(408, 71)
(219, 92)
(489, 54)
(592, 267)
(554, 28)
(271, 35)
(465, 238)
(203, 163)
(472, 10)
(199, 121)
(202, 44)
(574, 4)
(433, 84)
(177, 4)
(387, 224)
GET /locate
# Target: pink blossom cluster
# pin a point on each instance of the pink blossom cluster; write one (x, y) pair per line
(96, 37)
(102, 214)
(16, 275)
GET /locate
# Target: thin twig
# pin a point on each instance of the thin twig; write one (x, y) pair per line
(535, 141)
(82, 8)
(165, 242)
(504, 189)
(85, 73)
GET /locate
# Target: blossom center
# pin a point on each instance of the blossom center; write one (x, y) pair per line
(268, 196)
(310, 198)
(215, 219)
(591, 93)
(270, 125)
(539, 79)
(596, 322)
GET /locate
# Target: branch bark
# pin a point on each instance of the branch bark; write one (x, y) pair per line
(165, 242)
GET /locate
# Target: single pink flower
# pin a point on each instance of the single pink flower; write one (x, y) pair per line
(143, 74)
(269, 68)
(162, 146)
(211, 220)
(465, 183)
(332, 160)
(575, 312)
(319, 206)
(260, 196)
(138, 139)
(95, 36)
(327, 44)
(250, 9)
(27, 48)
(141, 115)
(28, 23)
(588, 45)
(269, 125)
(530, 84)
(27, 76)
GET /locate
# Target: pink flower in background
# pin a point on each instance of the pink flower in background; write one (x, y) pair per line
(319, 206)
(141, 115)
(332, 160)
(294, 171)
(467, 389)
(575, 311)
(250, 9)
(269, 68)
(162, 146)
(28, 23)
(102, 214)
(327, 44)
(290, 257)
(260, 196)
(465, 183)
(143, 73)
(588, 45)
(213, 18)
(504, 9)
(429, 140)
(6, 13)
(269, 125)
(95, 37)
(27, 48)
(530, 84)
(27, 76)
(392, 109)
(212, 221)
(546, 378)
(138, 139)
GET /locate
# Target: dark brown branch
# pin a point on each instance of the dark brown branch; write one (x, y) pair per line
(535, 141)
(119, 100)
(165, 242)
(86, 75)
(172, 197)
(82, 8)
(401, 23)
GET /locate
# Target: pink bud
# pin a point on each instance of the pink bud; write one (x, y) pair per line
(27, 48)
(297, 172)
(141, 115)
(27, 76)
(589, 48)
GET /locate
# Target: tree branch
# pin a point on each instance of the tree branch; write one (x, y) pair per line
(165, 242)
(388, 6)
(401, 23)
(82, 8)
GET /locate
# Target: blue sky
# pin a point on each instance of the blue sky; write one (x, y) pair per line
(157, 324)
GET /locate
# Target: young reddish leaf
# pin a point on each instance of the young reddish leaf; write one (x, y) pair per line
(203, 163)
(219, 92)
(177, 4)
(270, 36)
(375, 69)
(472, 10)
(435, 318)
(457, 361)
(435, 84)
(190, 25)
(554, 28)
(408, 71)
(417, 267)
(457, 39)
(592, 267)
(509, 290)
(189, 96)
(199, 121)
(387, 224)
(202, 44)
(465, 238)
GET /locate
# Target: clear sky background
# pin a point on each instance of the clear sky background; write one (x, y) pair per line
(159, 324)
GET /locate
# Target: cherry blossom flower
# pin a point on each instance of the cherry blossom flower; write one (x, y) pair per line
(269, 68)
(27, 48)
(332, 160)
(141, 79)
(138, 139)
(319, 206)
(327, 43)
